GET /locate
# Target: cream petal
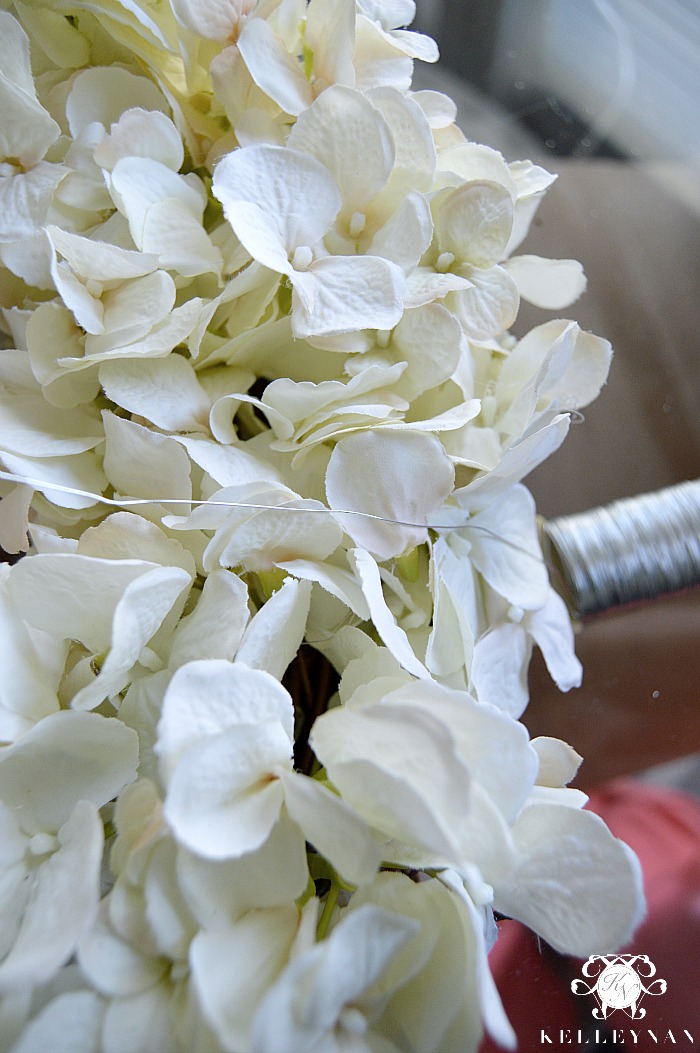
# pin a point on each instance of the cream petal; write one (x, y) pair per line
(274, 70)
(330, 33)
(71, 596)
(492, 1011)
(404, 476)
(213, 21)
(274, 635)
(516, 463)
(335, 580)
(142, 463)
(383, 620)
(332, 827)
(103, 93)
(216, 626)
(499, 668)
(576, 885)
(551, 284)
(141, 133)
(165, 391)
(62, 904)
(229, 465)
(182, 244)
(425, 285)
(66, 758)
(138, 183)
(27, 129)
(74, 1018)
(25, 199)
(28, 689)
(439, 109)
(398, 766)
(113, 966)
(234, 966)
(474, 223)
(292, 193)
(82, 471)
(489, 306)
(223, 891)
(222, 801)
(550, 628)
(406, 235)
(340, 125)
(206, 697)
(351, 292)
(558, 761)
(138, 615)
(506, 549)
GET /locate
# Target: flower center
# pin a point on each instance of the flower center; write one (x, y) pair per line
(301, 260)
(444, 262)
(353, 1021)
(43, 844)
(357, 224)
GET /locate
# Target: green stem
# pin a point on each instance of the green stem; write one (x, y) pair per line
(328, 908)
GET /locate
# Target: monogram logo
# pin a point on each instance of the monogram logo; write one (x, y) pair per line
(619, 981)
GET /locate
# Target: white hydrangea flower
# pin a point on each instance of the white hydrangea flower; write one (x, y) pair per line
(225, 743)
(27, 131)
(318, 1002)
(52, 783)
(219, 314)
(281, 202)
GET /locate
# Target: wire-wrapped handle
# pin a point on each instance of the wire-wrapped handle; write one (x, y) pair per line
(634, 549)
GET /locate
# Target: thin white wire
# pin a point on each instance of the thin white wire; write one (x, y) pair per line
(135, 502)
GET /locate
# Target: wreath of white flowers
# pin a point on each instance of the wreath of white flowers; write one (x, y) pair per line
(262, 778)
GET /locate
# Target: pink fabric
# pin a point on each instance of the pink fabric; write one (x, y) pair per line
(663, 828)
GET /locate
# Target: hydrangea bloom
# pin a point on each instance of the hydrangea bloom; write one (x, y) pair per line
(263, 436)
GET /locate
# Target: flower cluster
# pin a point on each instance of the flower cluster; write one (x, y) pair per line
(263, 783)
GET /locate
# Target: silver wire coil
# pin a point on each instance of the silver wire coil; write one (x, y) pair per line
(634, 549)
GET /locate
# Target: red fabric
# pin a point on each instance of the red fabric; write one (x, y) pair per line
(663, 828)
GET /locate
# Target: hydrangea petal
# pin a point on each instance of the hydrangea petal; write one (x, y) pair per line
(65, 758)
(399, 767)
(550, 628)
(70, 1023)
(62, 904)
(499, 668)
(138, 615)
(506, 549)
(272, 876)
(398, 476)
(141, 133)
(274, 70)
(383, 620)
(104, 92)
(274, 635)
(222, 801)
(293, 189)
(350, 292)
(234, 966)
(164, 391)
(330, 33)
(25, 199)
(216, 626)
(340, 125)
(576, 885)
(551, 284)
(206, 697)
(474, 223)
(333, 828)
